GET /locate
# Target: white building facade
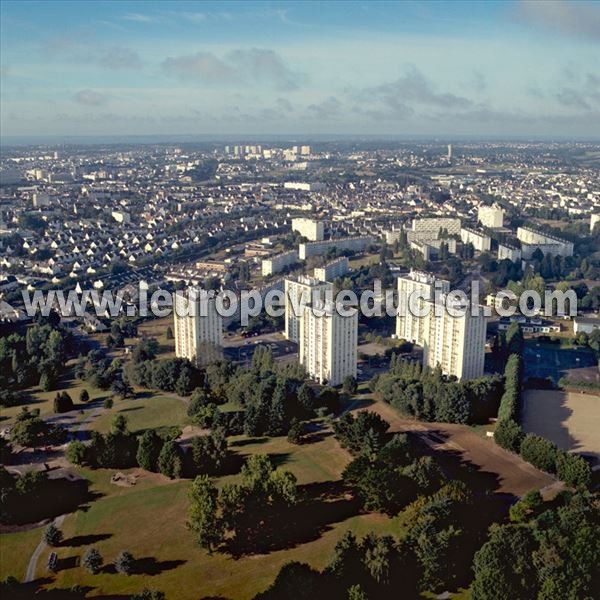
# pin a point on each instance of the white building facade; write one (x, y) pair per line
(312, 230)
(198, 328)
(328, 344)
(300, 292)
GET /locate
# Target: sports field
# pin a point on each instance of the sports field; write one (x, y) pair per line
(570, 419)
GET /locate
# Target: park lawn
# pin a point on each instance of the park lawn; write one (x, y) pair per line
(368, 259)
(156, 328)
(319, 461)
(45, 400)
(149, 521)
(15, 551)
(150, 411)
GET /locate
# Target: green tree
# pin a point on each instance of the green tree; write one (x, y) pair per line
(84, 396)
(76, 453)
(119, 424)
(124, 562)
(203, 517)
(509, 435)
(170, 460)
(92, 561)
(52, 535)
(149, 450)
(349, 384)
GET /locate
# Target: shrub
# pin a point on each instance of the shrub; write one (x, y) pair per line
(540, 452)
(509, 435)
(573, 469)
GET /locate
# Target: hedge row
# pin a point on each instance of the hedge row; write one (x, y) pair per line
(536, 450)
(543, 454)
(509, 403)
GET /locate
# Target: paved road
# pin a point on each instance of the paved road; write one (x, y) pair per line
(32, 566)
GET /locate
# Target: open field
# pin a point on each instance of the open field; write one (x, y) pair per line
(513, 475)
(148, 411)
(45, 400)
(15, 550)
(570, 419)
(157, 328)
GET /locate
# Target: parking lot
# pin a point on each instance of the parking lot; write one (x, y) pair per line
(552, 361)
(239, 349)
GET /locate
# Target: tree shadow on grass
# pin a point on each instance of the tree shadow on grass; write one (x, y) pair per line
(150, 566)
(35, 589)
(69, 562)
(53, 498)
(321, 506)
(248, 442)
(85, 540)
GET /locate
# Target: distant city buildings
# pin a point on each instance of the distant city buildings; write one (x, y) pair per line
(491, 216)
(507, 251)
(355, 244)
(332, 270)
(199, 331)
(532, 240)
(480, 240)
(278, 262)
(312, 230)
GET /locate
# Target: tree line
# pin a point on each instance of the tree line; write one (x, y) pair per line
(428, 395)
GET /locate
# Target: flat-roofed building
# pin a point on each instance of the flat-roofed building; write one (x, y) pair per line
(328, 344)
(300, 292)
(491, 216)
(332, 270)
(311, 229)
(278, 262)
(198, 328)
(480, 240)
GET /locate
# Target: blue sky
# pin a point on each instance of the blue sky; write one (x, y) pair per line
(409, 68)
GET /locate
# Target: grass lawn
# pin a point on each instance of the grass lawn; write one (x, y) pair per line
(45, 400)
(315, 462)
(156, 328)
(368, 259)
(151, 411)
(15, 551)
(148, 519)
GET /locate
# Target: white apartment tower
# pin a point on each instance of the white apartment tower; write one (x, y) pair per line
(311, 229)
(491, 216)
(198, 328)
(328, 343)
(422, 287)
(455, 342)
(298, 293)
(451, 334)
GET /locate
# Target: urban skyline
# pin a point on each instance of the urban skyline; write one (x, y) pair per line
(526, 69)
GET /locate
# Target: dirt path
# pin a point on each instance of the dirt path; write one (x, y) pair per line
(515, 476)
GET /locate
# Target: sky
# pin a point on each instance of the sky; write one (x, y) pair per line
(521, 69)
